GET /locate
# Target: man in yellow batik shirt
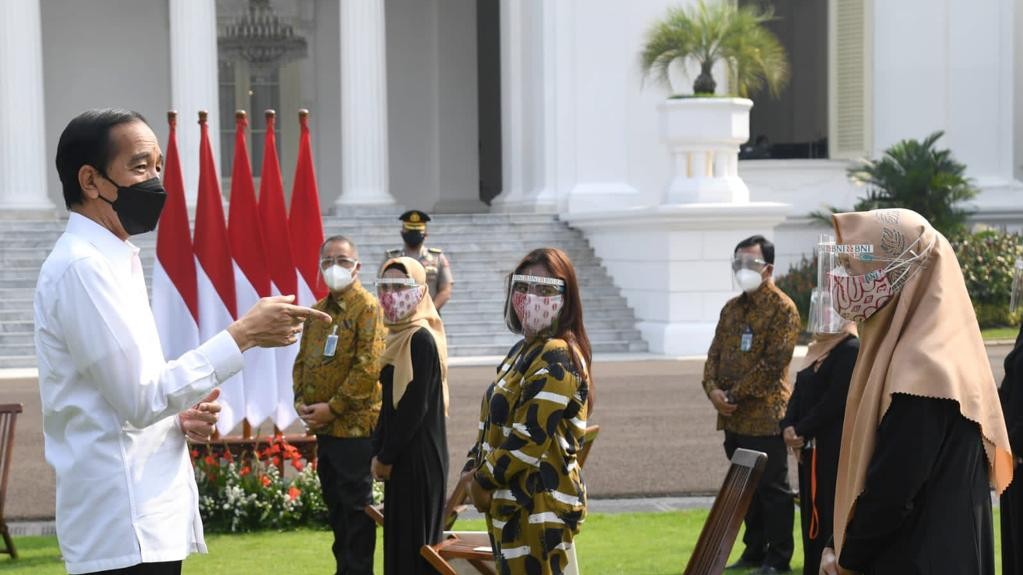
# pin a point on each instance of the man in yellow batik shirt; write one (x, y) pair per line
(337, 395)
(746, 378)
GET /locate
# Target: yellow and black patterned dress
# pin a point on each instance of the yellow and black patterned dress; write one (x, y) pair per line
(531, 427)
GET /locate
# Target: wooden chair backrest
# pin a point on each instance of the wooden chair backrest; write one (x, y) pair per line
(8, 415)
(457, 502)
(589, 436)
(722, 527)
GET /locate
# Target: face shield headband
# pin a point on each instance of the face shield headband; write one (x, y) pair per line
(533, 304)
(857, 297)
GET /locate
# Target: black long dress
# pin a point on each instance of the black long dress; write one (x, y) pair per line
(1011, 394)
(413, 438)
(926, 504)
(816, 410)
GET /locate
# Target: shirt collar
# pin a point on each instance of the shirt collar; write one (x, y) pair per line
(348, 297)
(758, 295)
(117, 251)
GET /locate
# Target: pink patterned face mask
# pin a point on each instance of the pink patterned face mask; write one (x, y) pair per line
(856, 298)
(398, 304)
(536, 312)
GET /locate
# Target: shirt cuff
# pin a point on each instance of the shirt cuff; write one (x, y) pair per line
(224, 355)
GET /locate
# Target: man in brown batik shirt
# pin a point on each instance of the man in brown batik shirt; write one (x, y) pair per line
(338, 396)
(745, 378)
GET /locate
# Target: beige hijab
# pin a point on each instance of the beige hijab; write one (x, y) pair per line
(823, 343)
(398, 351)
(924, 342)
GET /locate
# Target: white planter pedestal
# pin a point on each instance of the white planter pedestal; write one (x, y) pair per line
(704, 135)
(672, 264)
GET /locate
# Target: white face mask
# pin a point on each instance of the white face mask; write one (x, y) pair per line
(748, 280)
(337, 278)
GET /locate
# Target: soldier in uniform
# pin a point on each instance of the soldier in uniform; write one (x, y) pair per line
(438, 272)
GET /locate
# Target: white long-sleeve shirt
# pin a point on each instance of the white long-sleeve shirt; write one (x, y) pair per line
(126, 491)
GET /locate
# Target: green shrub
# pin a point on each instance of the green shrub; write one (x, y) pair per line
(986, 258)
(915, 175)
(798, 283)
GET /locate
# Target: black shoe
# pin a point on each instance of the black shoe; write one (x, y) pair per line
(743, 563)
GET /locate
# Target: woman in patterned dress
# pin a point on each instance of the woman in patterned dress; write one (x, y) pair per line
(524, 473)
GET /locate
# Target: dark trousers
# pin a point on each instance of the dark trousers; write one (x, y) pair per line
(343, 466)
(165, 568)
(768, 536)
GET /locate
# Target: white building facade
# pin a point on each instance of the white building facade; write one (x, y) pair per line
(532, 105)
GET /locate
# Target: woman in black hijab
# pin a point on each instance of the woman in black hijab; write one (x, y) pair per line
(1011, 394)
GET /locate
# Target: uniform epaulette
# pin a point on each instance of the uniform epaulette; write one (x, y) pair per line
(394, 253)
(437, 251)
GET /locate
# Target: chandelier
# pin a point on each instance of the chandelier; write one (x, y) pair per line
(261, 39)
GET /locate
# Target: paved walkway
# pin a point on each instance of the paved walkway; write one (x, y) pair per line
(658, 446)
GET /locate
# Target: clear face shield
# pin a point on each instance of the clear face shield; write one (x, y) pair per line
(824, 318)
(1017, 286)
(747, 271)
(857, 297)
(533, 303)
(399, 297)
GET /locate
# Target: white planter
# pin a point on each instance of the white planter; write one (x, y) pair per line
(703, 135)
(673, 264)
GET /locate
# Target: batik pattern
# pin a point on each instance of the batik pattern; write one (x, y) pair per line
(532, 422)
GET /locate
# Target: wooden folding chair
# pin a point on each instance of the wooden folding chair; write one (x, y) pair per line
(474, 546)
(722, 526)
(8, 415)
(456, 504)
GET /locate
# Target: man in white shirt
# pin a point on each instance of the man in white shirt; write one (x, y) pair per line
(115, 411)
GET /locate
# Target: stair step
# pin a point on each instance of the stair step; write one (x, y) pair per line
(17, 361)
(483, 249)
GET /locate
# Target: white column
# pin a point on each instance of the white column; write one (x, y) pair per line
(528, 105)
(23, 159)
(364, 157)
(193, 38)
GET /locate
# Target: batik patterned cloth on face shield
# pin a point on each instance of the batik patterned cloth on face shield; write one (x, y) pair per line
(398, 304)
(536, 312)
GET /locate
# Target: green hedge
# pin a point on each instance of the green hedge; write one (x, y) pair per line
(986, 258)
(798, 283)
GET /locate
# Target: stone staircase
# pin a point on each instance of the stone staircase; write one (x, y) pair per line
(483, 249)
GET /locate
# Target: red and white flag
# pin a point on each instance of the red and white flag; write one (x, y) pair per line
(251, 277)
(283, 276)
(306, 221)
(217, 299)
(175, 295)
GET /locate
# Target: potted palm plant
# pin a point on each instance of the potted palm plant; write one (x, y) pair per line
(702, 129)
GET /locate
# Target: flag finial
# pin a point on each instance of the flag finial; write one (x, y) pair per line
(172, 118)
(202, 116)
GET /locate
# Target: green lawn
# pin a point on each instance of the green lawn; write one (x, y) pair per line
(1004, 333)
(630, 543)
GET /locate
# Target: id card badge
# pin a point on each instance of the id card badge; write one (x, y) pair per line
(746, 343)
(330, 347)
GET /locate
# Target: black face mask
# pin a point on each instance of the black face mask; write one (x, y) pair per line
(413, 238)
(138, 206)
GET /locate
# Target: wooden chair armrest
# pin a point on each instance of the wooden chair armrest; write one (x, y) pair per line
(376, 513)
